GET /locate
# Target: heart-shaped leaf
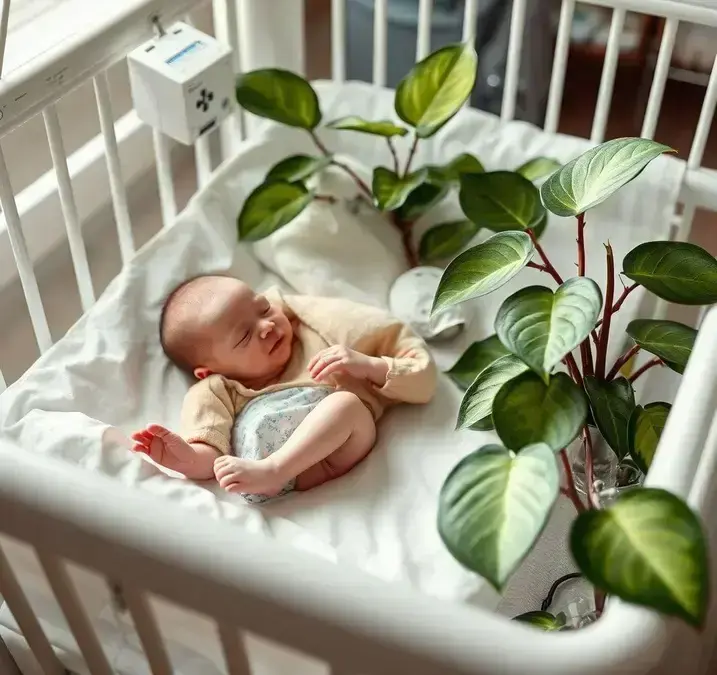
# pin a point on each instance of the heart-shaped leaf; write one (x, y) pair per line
(597, 174)
(483, 268)
(526, 410)
(542, 620)
(501, 201)
(647, 548)
(675, 271)
(421, 201)
(436, 88)
(475, 360)
(670, 340)
(539, 167)
(494, 505)
(297, 168)
(271, 206)
(279, 95)
(612, 404)
(644, 431)
(390, 190)
(378, 128)
(451, 173)
(477, 403)
(446, 240)
(541, 327)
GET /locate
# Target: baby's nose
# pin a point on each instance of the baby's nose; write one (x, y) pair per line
(266, 328)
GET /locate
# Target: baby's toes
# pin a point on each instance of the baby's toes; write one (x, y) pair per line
(230, 479)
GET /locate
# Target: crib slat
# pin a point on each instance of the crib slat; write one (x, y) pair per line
(28, 280)
(69, 207)
(512, 68)
(77, 619)
(148, 631)
(114, 168)
(234, 651)
(203, 158)
(4, 18)
(338, 40)
(705, 122)
(607, 81)
(163, 158)
(380, 41)
(560, 62)
(662, 69)
(470, 13)
(21, 609)
(423, 37)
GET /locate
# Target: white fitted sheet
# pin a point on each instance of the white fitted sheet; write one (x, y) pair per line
(108, 376)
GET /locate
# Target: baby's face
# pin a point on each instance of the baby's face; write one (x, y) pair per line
(244, 336)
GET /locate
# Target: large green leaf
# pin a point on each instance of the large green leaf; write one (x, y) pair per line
(436, 88)
(297, 168)
(598, 173)
(526, 410)
(675, 271)
(279, 95)
(541, 327)
(648, 548)
(542, 620)
(475, 360)
(539, 167)
(501, 200)
(670, 340)
(451, 173)
(483, 268)
(612, 404)
(271, 206)
(494, 505)
(477, 403)
(378, 128)
(391, 190)
(421, 201)
(446, 240)
(644, 431)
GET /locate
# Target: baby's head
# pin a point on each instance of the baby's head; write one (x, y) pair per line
(217, 324)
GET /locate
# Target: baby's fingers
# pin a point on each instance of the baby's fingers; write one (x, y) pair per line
(141, 448)
(158, 430)
(328, 371)
(325, 362)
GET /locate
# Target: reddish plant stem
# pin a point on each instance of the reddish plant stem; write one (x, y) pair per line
(546, 263)
(589, 469)
(615, 370)
(573, 369)
(411, 153)
(623, 296)
(607, 314)
(325, 198)
(535, 266)
(650, 364)
(581, 245)
(362, 186)
(406, 239)
(392, 148)
(570, 490)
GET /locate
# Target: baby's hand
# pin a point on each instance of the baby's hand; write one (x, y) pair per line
(340, 359)
(165, 447)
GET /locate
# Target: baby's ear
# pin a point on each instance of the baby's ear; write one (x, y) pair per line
(201, 373)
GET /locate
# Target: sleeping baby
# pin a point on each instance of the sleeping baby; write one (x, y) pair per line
(289, 387)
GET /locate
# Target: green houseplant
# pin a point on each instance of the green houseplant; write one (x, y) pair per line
(428, 97)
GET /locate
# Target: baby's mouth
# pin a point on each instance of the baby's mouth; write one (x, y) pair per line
(277, 343)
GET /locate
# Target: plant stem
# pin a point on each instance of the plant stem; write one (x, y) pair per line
(406, 239)
(589, 470)
(572, 492)
(607, 314)
(392, 148)
(623, 296)
(650, 364)
(325, 198)
(411, 153)
(573, 369)
(547, 264)
(581, 245)
(535, 266)
(615, 370)
(362, 186)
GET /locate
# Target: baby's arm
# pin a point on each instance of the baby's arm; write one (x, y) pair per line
(335, 436)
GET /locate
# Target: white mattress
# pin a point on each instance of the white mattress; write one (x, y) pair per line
(108, 376)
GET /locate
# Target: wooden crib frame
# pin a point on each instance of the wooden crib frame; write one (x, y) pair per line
(354, 623)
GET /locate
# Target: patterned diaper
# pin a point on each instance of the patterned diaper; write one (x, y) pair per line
(266, 423)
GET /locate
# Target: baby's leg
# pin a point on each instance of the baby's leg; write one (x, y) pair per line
(335, 436)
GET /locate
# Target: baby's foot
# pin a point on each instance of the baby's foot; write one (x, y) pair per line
(249, 476)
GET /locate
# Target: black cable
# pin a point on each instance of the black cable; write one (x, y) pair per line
(549, 599)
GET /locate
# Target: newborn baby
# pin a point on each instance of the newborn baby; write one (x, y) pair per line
(295, 384)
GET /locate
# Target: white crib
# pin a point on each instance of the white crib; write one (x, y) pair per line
(351, 622)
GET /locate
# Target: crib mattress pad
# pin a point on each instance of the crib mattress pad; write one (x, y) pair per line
(108, 376)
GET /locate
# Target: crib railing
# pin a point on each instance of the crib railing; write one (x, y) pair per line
(354, 623)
